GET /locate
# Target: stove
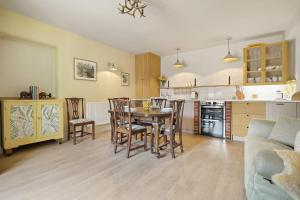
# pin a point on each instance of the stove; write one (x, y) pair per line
(213, 118)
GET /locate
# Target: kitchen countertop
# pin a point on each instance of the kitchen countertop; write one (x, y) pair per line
(265, 100)
(245, 100)
(248, 100)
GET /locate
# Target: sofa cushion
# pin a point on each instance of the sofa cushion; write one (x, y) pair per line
(268, 163)
(297, 142)
(261, 128)
(285, 131)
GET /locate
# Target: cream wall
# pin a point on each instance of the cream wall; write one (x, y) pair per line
(294, 34)
(24, 63)
(68, 46)
(207, 64)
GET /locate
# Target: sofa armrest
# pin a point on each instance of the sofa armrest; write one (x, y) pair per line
(260, 127)
(268, 163)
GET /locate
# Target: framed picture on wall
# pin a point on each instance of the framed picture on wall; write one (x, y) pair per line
(85, 70)
(124, 79)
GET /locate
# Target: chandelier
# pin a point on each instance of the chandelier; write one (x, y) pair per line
(130, 7)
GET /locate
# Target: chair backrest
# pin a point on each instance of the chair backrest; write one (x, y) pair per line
(110, 101)
(122, 116)
(75, 108)
(161, 103)
(177, 114)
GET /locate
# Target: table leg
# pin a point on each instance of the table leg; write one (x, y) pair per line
(156, 127)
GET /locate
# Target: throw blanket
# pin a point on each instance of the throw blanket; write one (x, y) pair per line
(289, 178)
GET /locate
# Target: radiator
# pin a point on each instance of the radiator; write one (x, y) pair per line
(98, 111)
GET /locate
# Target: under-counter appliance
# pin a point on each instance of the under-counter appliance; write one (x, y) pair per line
(213, 118)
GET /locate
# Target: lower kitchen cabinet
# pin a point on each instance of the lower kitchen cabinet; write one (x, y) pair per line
(276, 110)
(243, 113)
(30, 121)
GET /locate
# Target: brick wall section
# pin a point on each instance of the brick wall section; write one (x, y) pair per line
(228, 111)
(197, 112)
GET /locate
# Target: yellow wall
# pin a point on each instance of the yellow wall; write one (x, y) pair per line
(69, 46)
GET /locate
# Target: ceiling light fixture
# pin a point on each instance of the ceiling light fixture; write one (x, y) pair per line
(112, 67)
(229, 57)
(130, 7)
(178, 64)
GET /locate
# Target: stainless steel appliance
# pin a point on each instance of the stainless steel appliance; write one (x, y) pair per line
(213, 118)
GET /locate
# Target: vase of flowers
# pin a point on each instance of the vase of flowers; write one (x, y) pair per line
(163, 81)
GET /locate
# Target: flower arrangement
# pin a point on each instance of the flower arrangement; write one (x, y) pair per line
(162, 80)
(290, 89)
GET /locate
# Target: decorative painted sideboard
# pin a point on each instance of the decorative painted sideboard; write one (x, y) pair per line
(30, 121)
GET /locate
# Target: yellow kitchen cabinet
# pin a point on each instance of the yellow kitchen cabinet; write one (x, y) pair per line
(147, 71)
(243, 113)
(30, 121)
(266, 64)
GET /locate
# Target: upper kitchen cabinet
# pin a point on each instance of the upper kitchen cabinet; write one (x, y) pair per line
(266, 64)
(147, 71)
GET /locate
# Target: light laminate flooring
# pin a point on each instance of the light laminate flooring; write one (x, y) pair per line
(209, 169)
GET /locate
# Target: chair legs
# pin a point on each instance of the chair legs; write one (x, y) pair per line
(152, 142)
(93, 131)
(145, 141)
(169, 140)
(115, 141)
(128, 146)
(172, 141)
(180, 142)
(74, 135)
(82, 132)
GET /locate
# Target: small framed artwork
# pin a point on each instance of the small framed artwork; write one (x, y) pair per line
(124, 79)
(85, 70)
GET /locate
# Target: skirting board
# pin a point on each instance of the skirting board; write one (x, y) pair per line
(238, 138)
(189, 131)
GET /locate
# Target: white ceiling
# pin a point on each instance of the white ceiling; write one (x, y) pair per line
(188, 24)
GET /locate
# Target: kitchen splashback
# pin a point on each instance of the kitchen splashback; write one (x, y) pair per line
(264, 92)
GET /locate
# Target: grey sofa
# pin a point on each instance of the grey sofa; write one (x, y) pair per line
(261, 162)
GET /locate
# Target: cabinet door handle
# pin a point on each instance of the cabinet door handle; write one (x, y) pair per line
(247, 127)
(247, 115)
(280, 104)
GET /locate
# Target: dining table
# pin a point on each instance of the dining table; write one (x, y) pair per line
(156, 117)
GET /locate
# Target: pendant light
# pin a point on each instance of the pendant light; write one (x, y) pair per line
(178, 64)
(229, 57)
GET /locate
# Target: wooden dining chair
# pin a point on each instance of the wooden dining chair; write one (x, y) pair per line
(173, 127)
(159, 102)
(112, 127)
(111, 108)
(76, 118)
(124, 126)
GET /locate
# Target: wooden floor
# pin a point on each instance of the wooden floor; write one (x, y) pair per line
(209, 169)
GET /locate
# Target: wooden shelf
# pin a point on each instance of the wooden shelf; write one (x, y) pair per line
(200, 86)
(273, 58)
(274, 70)
(253, 60)
(254, 72)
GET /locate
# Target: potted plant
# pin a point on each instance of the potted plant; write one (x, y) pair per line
(162, 80)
